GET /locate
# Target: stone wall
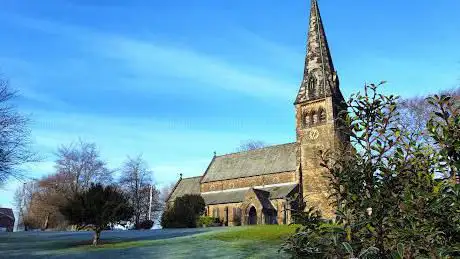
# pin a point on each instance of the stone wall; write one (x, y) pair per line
(220, 209)
(284, 177)
(312, 139)
(283, 210)
(238, 219)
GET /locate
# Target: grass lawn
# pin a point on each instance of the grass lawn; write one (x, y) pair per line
(267, 233)
(232, 242)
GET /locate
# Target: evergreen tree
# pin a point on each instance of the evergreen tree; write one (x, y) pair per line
(96, 208)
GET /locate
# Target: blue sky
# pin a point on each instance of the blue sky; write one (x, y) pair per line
(177, 80)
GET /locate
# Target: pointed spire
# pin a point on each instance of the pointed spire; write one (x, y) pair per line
(320, 79)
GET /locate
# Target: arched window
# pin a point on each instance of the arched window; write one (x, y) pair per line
(321, 115)
(311, 86)
(313, 118)
(306, 119)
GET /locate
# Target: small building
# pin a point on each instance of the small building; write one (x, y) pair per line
(6, 220)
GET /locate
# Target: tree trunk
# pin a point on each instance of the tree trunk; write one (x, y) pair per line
(96, 237)
(138, 217)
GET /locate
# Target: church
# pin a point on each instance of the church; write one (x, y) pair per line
(264, 186)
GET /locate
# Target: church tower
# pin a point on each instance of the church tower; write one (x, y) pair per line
(317, 106)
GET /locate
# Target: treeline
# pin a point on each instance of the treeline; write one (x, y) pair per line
(82, 192)
(395, 188)
(79, 166)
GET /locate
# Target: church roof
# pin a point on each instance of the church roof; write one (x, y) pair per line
(6, 218)
(186, 186)
(264, 198)
(233, 196)
(7, 212)
(268, 160)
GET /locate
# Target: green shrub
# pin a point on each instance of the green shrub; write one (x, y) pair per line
(206, 221)
(184, 213)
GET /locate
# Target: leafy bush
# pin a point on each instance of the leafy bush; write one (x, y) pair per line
(146, 224)
(386, 188)
(184, 213)
(206, 221)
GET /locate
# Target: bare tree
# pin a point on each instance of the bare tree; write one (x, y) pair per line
(38, 202)
(251, 145)
(416, 112)
(52, 193)
(136, 181)
(79, 165)
(15, 148)
(22, 201)
(166, 190)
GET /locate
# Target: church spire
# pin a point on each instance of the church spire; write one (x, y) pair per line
(319, 79)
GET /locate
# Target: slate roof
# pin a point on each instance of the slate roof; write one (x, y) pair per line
(268, 160)
(264, 198)
(276, 192)
(6, 218)
(7, 212)
(186, 186)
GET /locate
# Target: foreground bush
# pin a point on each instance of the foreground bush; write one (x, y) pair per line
(395, 196)
(184, 213)
(206, 221)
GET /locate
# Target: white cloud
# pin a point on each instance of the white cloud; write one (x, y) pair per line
(146, 59)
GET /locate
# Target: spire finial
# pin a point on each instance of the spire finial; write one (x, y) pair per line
(215, 154)
(180, 176)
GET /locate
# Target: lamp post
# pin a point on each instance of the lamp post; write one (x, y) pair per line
(150, 203)
(23, 204)
(21, 207)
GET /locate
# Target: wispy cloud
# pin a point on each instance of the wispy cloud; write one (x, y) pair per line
(146, 59)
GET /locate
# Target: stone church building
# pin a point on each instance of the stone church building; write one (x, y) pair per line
(265, 185)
